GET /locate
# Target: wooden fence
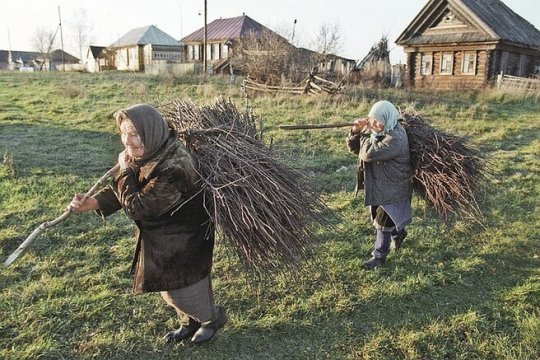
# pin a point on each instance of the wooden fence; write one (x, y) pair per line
(313, 85)
(518, 84)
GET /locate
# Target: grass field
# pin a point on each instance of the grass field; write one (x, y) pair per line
(458, 291)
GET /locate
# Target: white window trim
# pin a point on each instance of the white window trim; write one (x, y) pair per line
(452, 62)
(423, 71)
(473, 73)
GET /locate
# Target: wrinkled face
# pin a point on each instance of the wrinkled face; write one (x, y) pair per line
(375, 125)
(131, 139)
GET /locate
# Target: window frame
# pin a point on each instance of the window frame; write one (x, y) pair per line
(443, 54)
(463, 63)
(424, 70)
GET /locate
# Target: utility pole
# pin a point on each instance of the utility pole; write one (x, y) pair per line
(61, 39)
(11, 66)
(293, 27)
(205, 57)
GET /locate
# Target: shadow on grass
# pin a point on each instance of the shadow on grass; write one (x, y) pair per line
(49, 150)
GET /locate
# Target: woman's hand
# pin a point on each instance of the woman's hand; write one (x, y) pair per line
(123, 160)
(81, 204)
(359, 125)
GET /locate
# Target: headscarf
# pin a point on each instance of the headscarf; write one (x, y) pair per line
(150, 125)
(386, 113)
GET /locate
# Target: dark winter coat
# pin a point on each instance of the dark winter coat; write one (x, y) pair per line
(384, 169)
(174, 244)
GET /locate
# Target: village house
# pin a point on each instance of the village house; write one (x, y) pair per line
(222, 37)
(144, 46)
(456, 44)
(29, 60)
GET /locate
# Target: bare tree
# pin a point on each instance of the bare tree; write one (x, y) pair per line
(328, 39)
(81, 30)
(43, 42)
(265, 57)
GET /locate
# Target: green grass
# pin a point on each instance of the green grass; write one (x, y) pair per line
(460, 291)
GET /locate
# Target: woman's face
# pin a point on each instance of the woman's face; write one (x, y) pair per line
(131, 139)
(375, 125)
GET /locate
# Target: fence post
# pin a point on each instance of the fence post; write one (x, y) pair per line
(499, 80)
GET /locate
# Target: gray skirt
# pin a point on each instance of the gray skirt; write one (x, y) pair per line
(400, 213)
(195, 301)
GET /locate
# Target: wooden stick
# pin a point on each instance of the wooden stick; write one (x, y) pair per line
(314, 126)
(64, 216)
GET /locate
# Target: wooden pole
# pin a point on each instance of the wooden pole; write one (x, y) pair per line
(315, 126)
(61, 40)
(205, 57)
(64, 216)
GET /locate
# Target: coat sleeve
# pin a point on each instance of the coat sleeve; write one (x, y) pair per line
(108, 202)
(165, 190)
(388, 148)
(353, 142)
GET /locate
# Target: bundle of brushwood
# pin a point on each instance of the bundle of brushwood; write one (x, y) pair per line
(265, 210)
(447, 172)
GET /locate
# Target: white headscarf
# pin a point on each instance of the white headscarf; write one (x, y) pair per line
(386, 113)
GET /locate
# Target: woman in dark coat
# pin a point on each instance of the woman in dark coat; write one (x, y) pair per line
(384, 171)
(157, 187)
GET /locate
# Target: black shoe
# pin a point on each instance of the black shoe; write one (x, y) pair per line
(398, 239)
(208, 329)
(374, 263)
(182, 333)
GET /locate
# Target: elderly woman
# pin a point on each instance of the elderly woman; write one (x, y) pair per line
(157, 187)
(384, 171)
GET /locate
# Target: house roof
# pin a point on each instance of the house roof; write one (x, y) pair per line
(25, 56)
(227, 29)
(96, 50)
(455, 21)
(56, 55)
(145, 35)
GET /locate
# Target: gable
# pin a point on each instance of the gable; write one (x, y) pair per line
(465, 21)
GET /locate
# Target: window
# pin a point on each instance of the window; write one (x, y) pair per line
(469, 64)
(427, 62)
(447, 60)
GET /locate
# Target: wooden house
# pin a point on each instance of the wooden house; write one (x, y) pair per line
(142, 46)
(222, 37)
(456, 44)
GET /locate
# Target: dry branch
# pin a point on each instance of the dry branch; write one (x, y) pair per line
(264, 209)
(64, 216)
(447, 172)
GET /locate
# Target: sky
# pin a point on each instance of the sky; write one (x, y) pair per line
(360, 23)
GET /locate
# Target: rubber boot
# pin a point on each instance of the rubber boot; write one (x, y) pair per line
(209, 328)
(185, 331)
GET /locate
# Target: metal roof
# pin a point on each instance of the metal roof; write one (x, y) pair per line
(487, 20)
(145, 35)
(227, 29)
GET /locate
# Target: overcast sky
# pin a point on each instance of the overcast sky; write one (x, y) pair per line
(361, 23)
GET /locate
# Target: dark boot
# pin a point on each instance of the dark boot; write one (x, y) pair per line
(374, 263)
(209, 328)
(398, 238)
(183, 332)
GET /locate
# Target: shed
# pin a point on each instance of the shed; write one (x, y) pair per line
(457, 44)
